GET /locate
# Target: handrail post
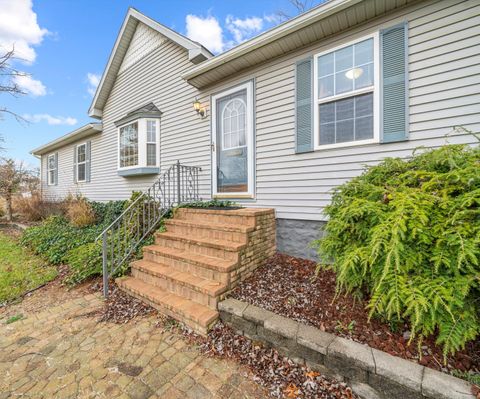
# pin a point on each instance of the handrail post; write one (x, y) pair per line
(104, 264)
(178, 182)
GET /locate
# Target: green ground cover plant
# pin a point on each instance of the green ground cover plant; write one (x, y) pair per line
(406, 233)
(61, 241)
(20, 271)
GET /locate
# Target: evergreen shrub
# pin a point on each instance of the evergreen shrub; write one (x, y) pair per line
(407, 234)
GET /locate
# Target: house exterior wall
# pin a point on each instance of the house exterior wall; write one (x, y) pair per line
(155, 76)
(444, 81)
(444, 91)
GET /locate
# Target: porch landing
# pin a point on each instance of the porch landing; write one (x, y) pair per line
(202, 256)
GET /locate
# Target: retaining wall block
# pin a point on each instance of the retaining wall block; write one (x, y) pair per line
(436, 384)
(395, 376)
(351, 359)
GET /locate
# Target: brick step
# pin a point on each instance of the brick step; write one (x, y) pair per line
(208, 267)
(194, 288)
(227, 232)
(198, 317)
(202, 246)
(239, 217)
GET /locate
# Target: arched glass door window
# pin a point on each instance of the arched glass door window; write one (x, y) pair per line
(234, 124)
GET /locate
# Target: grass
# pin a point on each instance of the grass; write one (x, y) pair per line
(15, 318)
(20, 271)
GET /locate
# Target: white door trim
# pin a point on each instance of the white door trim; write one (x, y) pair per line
(250, 141)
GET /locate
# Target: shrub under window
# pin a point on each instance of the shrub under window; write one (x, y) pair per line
(407, 233)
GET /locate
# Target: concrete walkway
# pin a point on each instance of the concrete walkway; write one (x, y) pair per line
(63, 352)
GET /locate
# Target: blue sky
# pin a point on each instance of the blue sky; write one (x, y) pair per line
(65, 45)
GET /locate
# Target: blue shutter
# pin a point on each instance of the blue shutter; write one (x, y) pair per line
(74, 163)
(88, 157)
(304, 106)
(394, 84)
(56, 168)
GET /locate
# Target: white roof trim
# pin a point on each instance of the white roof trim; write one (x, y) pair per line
(196, 53)
(314, 15)
(80, 133)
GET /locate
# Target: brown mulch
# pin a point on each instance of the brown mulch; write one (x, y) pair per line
(284, 285)
(120, 307)
(281, 376)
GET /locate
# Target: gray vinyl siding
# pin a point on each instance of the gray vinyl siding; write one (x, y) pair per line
(444, 91)
(184, 135)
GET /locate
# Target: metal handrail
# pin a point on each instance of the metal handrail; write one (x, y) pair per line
(177, 185)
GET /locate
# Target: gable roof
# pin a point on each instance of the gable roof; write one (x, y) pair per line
(77, 134)
(196, 54)
(324, 20)
(147, 111)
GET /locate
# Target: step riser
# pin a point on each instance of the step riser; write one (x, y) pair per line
(212, 217)
(212, 233)
(184, 266)
(196, 248)
(176, 288)
(190, 323)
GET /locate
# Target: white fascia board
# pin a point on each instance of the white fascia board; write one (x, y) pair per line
(82, 132)
(314, 15)
(197, 53)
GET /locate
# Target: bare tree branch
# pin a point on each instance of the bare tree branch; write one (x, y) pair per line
(8, 83)
(300, 6)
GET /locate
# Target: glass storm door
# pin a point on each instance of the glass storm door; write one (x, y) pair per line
(232, 139)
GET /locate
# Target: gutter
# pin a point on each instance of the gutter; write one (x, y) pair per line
(308, 18)
(86, 130)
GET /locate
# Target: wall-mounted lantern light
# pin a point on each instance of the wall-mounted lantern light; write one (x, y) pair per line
(197, 106)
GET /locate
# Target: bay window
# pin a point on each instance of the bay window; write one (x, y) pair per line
(138, 147)
(346, 95)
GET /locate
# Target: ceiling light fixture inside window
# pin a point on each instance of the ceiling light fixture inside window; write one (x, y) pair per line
(354, 73)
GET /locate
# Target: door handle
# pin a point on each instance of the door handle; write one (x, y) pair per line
(212, 146)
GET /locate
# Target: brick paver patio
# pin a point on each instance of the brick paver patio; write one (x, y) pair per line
(62, 352)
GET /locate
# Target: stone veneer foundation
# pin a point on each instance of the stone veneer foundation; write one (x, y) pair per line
(201, 257)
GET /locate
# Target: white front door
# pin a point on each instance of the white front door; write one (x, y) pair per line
(232, 142)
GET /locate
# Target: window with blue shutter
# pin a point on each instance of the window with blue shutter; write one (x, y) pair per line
(74, 163)
(81, 163)
(304, 106)
(394, 84)
(89, 161)
(52, 169)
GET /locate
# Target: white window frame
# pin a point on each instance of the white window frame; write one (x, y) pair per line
(156, 142)
(142, 143)
(375, 89)
(81, 163)
(49, 182)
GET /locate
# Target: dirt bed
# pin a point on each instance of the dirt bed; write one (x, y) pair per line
(285, 285)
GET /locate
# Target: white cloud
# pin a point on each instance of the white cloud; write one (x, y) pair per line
(20, 28)
(93, 81)
(209, 32)
(243, 29)
(32, 86)
(51, 120)
(273, 19)
(206, 31)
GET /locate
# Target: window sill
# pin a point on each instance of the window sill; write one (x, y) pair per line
(149, 170)
(346, 144)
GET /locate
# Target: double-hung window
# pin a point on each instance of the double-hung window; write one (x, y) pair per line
(346, 95)
(51, 169)
(151, 143)
(82, 162)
